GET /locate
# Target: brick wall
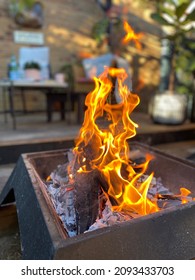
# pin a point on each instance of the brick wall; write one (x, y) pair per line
(67, 31)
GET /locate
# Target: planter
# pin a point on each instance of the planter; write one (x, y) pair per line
(167, 108)
(33, 74)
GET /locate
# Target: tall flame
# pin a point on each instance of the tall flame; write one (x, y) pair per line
(109, 150)
(131, 35)
(109, 144)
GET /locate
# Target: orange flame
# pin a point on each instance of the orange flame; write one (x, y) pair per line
(48, 178)
(184, 195)
(131, 35)
(110, 147)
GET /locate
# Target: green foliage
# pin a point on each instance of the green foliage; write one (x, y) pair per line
(99, 30)
(191, 16)
(160, 19)
(67, 69)
(32, 65)
(110, 31)
(17, 6)
(174, 14)
(185, 67)
(23, 3)
(26, 3)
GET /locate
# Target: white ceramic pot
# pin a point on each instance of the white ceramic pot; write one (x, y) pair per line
(168, 108)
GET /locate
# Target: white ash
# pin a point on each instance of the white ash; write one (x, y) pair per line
(110, 218)
(61, 191)
(156, 186)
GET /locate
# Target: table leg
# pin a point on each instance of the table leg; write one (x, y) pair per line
(81, 108)
(11, 103)
(68, 106)
(62, 110)
(4, 105)
(23, 101)
(49, 107)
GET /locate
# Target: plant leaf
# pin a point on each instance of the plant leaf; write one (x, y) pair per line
(180, 10)
(171, 37)
(168, 11)
(191, 45)
(157, 17)
(171, 2)
(192, 66)
(191, 16)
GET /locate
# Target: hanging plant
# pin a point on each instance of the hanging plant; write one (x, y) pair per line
(27, 13)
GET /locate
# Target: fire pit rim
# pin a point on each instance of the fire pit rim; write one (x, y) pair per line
(106, 230)
(164, 154)
(34, 155)
(152, 216)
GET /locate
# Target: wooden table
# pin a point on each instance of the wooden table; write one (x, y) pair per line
(48, 87)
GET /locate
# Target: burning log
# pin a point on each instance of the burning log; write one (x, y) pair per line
(74, 195)
(86, 200)
(88, 188)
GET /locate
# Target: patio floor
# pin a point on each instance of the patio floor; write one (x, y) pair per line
(34, 127)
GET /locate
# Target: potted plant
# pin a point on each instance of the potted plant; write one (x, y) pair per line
(32, 70)
(176, 17)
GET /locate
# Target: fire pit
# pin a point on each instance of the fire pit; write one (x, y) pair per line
(168, 234)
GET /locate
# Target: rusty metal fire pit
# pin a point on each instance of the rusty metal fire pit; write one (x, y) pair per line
(168, 234)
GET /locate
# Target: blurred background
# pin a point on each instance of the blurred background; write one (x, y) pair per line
(57, 39)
